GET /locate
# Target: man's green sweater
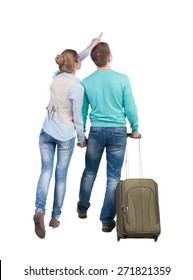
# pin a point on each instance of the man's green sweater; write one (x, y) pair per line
(111, 100)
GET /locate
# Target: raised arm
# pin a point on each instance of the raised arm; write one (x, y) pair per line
(85, 53)
(94, 42)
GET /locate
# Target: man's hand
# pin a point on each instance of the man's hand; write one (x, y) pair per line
(134, 135)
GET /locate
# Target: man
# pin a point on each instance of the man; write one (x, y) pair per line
(109, 95)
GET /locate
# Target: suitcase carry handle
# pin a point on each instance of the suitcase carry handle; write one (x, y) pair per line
(140, 156)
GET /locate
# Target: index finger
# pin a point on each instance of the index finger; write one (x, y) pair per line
(100, 35)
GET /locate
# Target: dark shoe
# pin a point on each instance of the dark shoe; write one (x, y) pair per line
(39, 225)
(82, 215)
(54, 223)
(108, 228)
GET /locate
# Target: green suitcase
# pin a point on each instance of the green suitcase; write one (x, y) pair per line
(137, 207)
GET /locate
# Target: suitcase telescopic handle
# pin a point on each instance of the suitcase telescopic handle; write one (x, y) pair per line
(140, 156)
(130, 135)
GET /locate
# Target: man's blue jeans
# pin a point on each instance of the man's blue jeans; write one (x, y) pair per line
(65, 149)
(113, 139)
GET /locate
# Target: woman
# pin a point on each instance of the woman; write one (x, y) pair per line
(63, 119)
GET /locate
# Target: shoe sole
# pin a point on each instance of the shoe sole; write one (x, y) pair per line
(82, 216)
(38, 229)
(107, 230)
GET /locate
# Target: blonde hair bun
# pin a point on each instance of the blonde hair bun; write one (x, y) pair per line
(59, 59)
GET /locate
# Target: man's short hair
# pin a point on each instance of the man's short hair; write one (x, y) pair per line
(100, 54)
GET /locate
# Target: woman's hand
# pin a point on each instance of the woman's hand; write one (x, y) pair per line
(94, 42)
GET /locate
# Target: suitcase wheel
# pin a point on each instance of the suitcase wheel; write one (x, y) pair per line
(155, 238)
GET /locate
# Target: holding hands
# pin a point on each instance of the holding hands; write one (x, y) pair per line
(83, 144)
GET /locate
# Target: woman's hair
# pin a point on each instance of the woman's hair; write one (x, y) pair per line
(66, 60)
(100, 54)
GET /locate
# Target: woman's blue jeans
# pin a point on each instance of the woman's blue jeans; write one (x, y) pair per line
(65, 149)
(113, 139)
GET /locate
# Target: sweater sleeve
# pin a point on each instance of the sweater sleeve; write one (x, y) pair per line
(130, 106)
(85, 108)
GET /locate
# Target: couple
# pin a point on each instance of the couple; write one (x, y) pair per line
(109, 95)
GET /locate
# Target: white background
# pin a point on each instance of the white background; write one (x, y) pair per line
(151, 42)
